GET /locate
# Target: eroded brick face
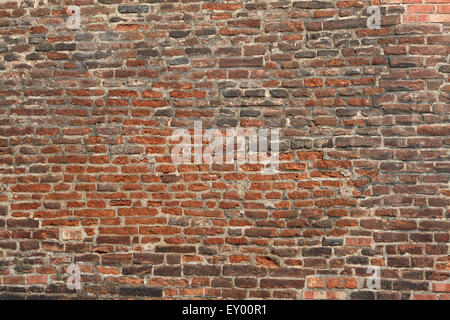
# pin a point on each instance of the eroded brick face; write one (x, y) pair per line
(87, 178)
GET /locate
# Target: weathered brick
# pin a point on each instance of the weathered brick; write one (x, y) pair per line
(87, 174)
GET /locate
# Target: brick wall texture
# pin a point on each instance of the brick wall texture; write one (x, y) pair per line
(86, 176)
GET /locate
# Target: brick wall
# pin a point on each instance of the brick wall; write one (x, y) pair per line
(87, 178)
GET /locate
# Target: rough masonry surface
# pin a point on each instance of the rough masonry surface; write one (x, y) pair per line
(86, 176)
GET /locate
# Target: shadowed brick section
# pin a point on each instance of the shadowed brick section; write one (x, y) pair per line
(140, 291)
(86, 174)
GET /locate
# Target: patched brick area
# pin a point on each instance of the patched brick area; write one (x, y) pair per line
(87, 178)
